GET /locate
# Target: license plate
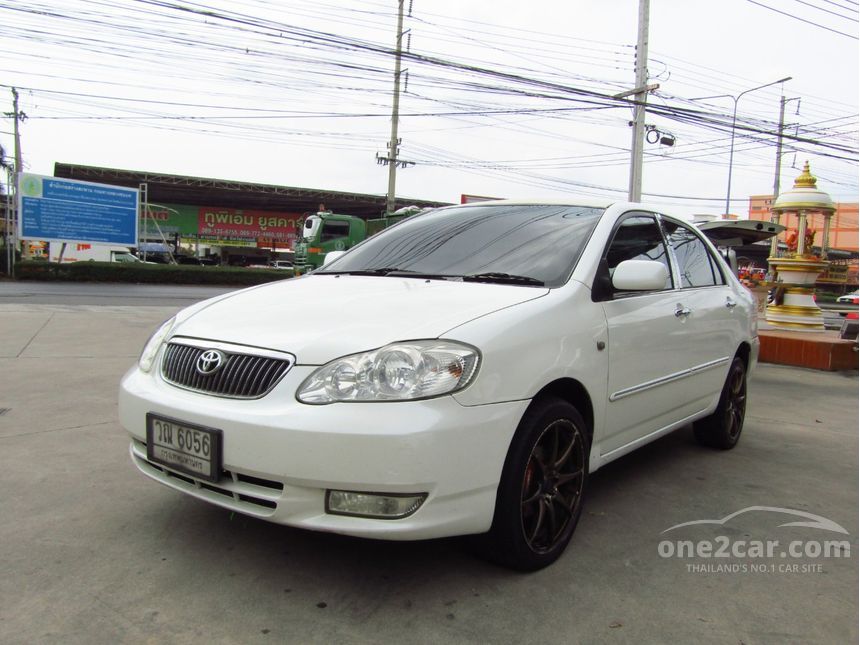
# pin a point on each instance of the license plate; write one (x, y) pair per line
(185, 447)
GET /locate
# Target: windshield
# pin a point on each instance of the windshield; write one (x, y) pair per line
(312, 225)
(524, 244)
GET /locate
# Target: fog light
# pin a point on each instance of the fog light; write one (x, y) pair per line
(382, 506)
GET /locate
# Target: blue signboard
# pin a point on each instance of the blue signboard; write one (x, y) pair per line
(66, 210)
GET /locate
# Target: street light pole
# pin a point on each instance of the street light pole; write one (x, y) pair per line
(734, 122)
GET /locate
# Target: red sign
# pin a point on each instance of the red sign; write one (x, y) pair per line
(232, 222)
(471, 199)
(273, 244)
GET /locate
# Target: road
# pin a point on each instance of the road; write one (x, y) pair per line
(93, 552)
(104, 294)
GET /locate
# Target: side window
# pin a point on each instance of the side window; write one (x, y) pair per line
(698, 268)
(333, 230)
(638, 238)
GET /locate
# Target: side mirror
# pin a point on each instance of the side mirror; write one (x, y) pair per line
(640, 275)
(331, 256)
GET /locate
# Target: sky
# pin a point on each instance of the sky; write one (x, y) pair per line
(499, 98)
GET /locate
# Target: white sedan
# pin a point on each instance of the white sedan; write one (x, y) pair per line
(462, 372)
(281, 264)
(849, 298)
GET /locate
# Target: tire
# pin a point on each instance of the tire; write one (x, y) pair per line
(722, 429)
(541, 489)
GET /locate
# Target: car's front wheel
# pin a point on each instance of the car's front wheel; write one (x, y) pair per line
(542, 486)
(722, 429)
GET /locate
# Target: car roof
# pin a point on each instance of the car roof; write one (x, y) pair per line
(590, 202)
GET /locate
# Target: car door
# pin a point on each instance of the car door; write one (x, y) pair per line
(647, 340)
(714, 319)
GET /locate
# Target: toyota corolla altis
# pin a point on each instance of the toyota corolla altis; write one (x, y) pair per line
(460, 373)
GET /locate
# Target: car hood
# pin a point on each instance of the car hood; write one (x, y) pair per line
(320, 318)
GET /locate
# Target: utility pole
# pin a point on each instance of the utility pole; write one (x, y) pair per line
(774, 216)
(395, 112)
(10, 252)
(634, 193)
(18, 116)
(779, 148)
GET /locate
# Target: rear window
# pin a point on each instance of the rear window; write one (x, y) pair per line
(542, 242)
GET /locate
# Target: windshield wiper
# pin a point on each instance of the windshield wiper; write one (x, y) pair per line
(381, 271)
(406, 273)
(392, 271)
(503, 278)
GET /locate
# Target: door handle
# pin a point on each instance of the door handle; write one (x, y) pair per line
(682, 312)
(730, 302)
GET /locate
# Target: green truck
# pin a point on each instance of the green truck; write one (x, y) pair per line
(326, 231)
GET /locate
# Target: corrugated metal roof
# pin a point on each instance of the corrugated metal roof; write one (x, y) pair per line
(203, 191)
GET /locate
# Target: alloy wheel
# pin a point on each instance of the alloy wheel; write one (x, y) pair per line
(552, 485)
(736, 401)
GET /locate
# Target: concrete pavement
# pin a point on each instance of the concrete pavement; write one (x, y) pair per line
(93, 552)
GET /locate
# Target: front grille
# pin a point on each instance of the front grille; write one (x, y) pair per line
(243, 375)
(300, 256)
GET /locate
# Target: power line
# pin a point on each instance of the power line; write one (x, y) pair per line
(808, 22)
(252, 53)
(836, 4)
(832, 13)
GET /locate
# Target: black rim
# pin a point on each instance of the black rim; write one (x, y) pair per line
(736, 401)
(552, 485)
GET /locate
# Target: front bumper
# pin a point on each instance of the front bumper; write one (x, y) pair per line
(280, 456)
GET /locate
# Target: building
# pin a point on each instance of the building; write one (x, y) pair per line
(232, 219)
(843, 225)
(843, 240)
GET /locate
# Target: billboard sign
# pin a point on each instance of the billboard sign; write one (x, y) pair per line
(168, 219)
(221, 226)
(250, 224)
(67, 210)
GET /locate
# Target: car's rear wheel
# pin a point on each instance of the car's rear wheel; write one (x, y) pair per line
(722, 429)
(542, 486)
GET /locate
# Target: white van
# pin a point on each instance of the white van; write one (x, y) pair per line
(78, 252)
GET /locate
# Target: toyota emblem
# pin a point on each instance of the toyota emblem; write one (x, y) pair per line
(210, 362)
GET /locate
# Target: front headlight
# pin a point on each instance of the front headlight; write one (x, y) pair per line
(400, 372)
(150, 350)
